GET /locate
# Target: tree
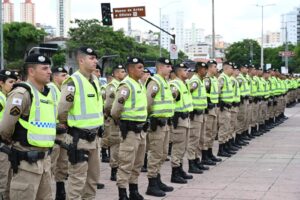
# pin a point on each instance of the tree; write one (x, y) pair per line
(58, 59)
(240, 52)
(18, 36)
(109, 42)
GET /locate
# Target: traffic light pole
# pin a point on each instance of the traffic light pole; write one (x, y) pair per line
(163, 30)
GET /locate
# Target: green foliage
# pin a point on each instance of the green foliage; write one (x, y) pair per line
(15, 65)
(17, 38)
(239, 52)
(58, 59)
(109, 42)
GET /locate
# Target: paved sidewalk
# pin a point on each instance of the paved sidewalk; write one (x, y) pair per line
(268, 168)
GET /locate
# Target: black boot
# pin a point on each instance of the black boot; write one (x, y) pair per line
(245, 136)
(200, 166)
(170, 148)
(212, 157)
(227, 148)
(232, 148)
(183, 174)
(113, 174)
(123, 194)
(134, 192)
(104, 155)
(254, 131)
(240, 141)
(234, 144)
(175, 177)
(163, 186)
(60, 191)
(205, 158)
(193, 168)
(144, 168)
(221, 151)
(153, 188)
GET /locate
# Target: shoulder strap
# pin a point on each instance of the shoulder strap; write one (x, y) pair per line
(24, 85)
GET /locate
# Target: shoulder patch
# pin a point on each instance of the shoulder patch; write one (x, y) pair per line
(15, 111)
(16, 101)
(70, 98)
(124, 92)
(153, 94)
(71, 88)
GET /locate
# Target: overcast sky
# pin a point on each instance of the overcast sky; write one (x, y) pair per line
(234, 19)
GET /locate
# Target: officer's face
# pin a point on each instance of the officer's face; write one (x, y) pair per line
(183, 73)
(7, 85)
(230, 71)
(40, 73)
(244, 70)
(89, 63)
(60, 77)
(97, 73)
(236, 72)
(213, 69)
(120, 74)
(138, 70)
(166, 70)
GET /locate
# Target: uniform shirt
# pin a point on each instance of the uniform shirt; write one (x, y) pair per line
(110, 94)
(65, 104)
(18, 104)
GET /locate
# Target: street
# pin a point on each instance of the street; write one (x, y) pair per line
(268, 168)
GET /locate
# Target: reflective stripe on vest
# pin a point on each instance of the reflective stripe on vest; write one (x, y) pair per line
(226, 94)
(185, 102)
(56, 94)
(199, 95)
(41, 124)
(244, 87)
(214, 90)
(87, 109)
(163, 104)
(135, 107)
(236, 90)
(2, 103)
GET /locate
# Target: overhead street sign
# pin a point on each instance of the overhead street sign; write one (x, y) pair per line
(286, 53)
(129, 12)
(173, 52)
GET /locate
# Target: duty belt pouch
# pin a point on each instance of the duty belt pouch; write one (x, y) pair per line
(100, 131)
(153, 124)
(192, 115)
(123, 129)
(60, 130)
(175, 120)
(14, 160)
(138, 127)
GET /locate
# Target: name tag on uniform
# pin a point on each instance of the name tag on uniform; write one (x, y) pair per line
(91, 95)
(184, 92)
(139, 91)
(44, 101)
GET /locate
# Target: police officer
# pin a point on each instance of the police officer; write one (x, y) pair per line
(160, 109)
(59, 158)
(118, 74)
(181, 123)
(29, 123)
(80, 109)
(197, 130)
(242, 129)
(211, 115)
(235, 106)
(226, 99)
(7, 80)
(130, 110)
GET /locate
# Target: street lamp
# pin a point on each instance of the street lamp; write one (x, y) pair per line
(160, 24)
(262, 33)
(213, 29)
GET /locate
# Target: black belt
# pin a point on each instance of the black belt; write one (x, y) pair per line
(88, 135)
(197, 112)
(134, 126)
(182, 115)
(29, 156)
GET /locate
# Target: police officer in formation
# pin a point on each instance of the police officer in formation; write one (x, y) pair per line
(65, 119)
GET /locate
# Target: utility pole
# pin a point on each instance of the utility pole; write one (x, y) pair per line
(213, 29)
(251, 52)
(262, 33)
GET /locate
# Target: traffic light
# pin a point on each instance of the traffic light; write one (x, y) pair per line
(106, 14)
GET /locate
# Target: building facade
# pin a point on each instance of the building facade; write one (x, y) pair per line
(63, 17)
(28, 12)
(7, 11)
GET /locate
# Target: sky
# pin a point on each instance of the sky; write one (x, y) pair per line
(234, 19)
